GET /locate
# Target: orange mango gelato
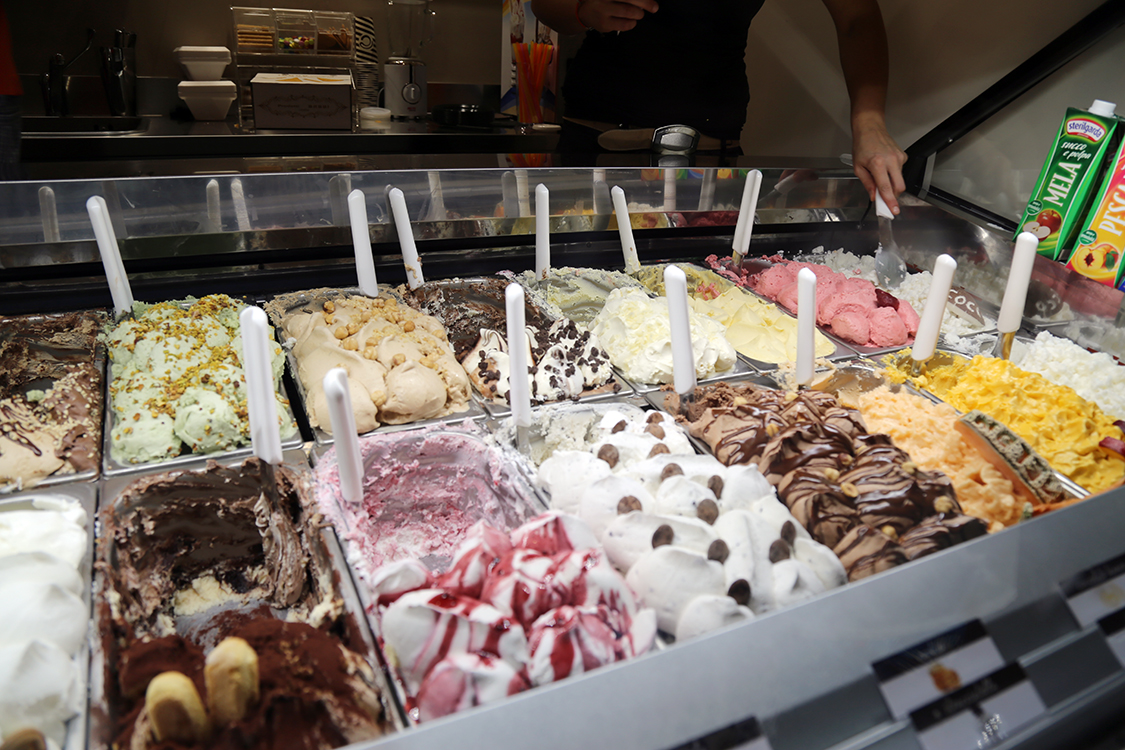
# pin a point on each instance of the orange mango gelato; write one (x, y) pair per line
(926, 431)
(1059, 424)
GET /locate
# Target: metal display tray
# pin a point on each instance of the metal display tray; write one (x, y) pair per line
(86, 495)
(342, 578)
(89, 475)
(535, 504)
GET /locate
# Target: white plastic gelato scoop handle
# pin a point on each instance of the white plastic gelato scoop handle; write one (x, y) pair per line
(119, 287)
(410, 261)
(929, 326)
(1015, 293)
(361, 241)
(265, 434)
(344, 434)
(806, 326)
(542, 231)
(519, 388)
(625, 230)
(683, 357)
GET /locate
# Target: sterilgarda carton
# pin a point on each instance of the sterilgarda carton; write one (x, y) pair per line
(1063, 190)
(1101, 242)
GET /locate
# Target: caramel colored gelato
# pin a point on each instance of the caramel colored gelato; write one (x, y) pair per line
(399, 362)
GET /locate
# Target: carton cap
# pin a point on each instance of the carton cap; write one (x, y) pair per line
(1102, 108)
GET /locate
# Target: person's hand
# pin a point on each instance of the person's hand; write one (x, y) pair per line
(614, 15)
(877, 161)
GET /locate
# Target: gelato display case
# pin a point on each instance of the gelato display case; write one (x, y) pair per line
(1009, 639)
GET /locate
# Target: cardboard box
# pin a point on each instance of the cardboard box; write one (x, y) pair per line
(302, 101)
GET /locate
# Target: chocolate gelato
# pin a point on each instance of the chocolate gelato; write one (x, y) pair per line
(854, 492)
(189, 559)
(464, 307)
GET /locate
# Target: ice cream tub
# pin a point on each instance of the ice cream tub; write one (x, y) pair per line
(46, 568)
(222, 560)
(175, 376)
(52, 400)
(566, 361)
(851, 309)
(422, 491)
(401, 370)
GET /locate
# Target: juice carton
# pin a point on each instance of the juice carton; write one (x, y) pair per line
(1063, 191)
(1102, 240)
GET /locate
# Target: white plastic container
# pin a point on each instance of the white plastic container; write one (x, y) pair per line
(208, 100)
(203, 63)
(374, 118)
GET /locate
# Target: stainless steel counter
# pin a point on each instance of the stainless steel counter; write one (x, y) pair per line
(161, 137)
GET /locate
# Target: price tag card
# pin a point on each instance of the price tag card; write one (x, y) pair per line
(1113, 627)
(1096, 592)
(926, 671)
(981, 714)
(743, 735)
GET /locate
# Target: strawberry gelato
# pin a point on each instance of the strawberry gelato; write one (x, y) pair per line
(852, 309)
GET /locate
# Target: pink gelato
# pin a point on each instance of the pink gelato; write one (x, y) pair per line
(852, 309)
(544, 608)
(422, 490)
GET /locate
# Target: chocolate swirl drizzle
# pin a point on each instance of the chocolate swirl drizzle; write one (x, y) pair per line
(854, 492)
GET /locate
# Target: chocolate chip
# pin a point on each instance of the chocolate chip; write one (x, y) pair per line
(715, 484)
(609, 454)
(718, 551)
(789, 533)
(740, 592)
(655, 430)
(619, 427)
(628, 504)
(663, 535)
(654, 417)
(779, 551)
(707, 511)
(658, 449)
(671, 470)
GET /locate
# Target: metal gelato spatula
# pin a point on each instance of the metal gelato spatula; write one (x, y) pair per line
(890, 268)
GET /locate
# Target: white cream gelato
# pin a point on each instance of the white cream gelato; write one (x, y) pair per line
(634, 329)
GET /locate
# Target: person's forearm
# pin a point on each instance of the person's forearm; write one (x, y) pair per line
(560, 15)
(863, 57)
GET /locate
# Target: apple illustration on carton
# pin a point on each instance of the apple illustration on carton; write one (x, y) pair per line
(1045, 224)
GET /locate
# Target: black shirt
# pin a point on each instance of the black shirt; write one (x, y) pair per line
(681, 65)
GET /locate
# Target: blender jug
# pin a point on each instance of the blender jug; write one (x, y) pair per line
(405, 74)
